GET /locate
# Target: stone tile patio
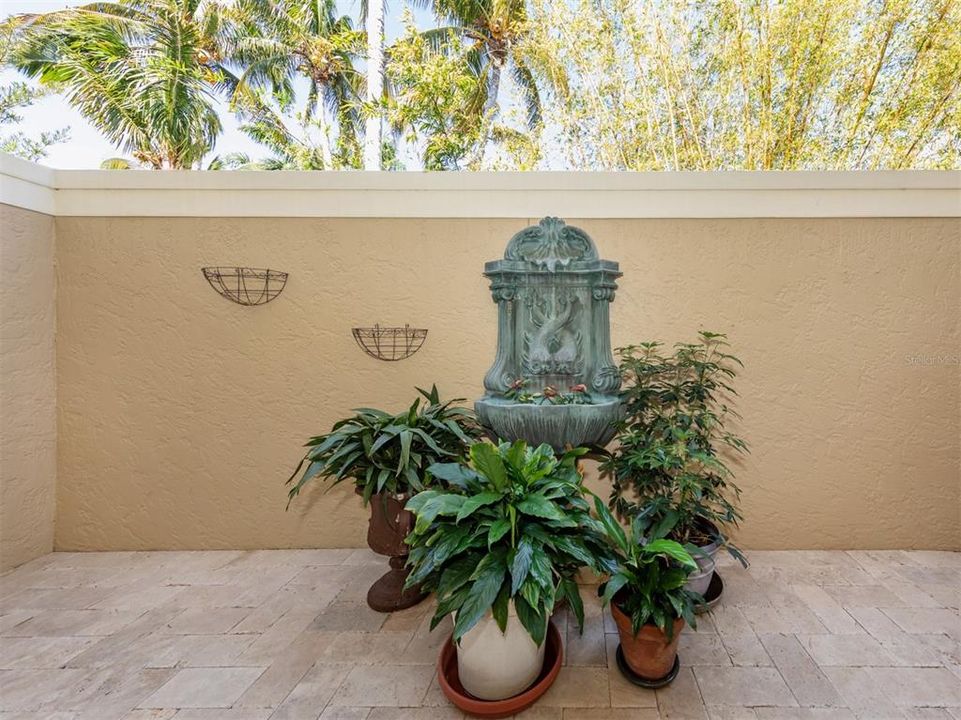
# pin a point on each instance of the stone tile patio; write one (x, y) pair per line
(286, 635)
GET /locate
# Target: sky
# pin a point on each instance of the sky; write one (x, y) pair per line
(86, 148)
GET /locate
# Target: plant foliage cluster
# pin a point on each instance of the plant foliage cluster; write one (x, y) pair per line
(384, 453)
(672, 465)
(512, 527)
(515, 84)
(15, 97)
(647, 583)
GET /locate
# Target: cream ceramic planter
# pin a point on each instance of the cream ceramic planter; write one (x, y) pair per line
(493, 665)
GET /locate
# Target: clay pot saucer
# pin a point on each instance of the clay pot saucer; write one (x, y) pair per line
(713, 595)
(450, 682)
(636, 679)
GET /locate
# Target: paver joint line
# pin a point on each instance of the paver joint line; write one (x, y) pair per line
(278, 634)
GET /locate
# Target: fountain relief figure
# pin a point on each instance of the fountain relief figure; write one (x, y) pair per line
(553, 296)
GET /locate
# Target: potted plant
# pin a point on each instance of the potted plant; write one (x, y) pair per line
(500, 545)
(386, 457)
(672, 462)
(648, 598)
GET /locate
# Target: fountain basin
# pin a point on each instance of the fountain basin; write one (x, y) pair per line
(559, 426)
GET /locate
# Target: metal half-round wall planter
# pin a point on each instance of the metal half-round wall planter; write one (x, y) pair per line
(389, 343)
(246, 285)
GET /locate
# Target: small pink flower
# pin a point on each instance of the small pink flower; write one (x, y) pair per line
(517, 384)
(550, 391)
(579, 388)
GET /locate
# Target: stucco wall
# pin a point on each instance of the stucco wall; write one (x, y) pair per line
(28, 448)
(181, 414)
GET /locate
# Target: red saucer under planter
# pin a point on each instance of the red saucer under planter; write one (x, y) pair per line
(455, 692)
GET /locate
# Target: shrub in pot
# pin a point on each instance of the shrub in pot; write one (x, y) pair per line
(500, 546)
(386, 457)
(647, 596)
(673, 461)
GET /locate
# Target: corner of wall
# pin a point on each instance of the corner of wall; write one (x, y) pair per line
(28, 442)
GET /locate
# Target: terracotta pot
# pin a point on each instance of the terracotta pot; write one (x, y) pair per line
(450, 683)
(388, 528)
(650, 655)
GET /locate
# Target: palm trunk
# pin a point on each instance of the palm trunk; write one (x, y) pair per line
(326, 153)
(375, 83)
(490, 109)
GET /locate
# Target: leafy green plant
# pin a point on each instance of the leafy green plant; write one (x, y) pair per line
(513, 526)
(647, 583)
(672, 461)
(381, 452)
(142, 72)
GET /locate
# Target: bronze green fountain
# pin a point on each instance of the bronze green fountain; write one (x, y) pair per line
(553, 379)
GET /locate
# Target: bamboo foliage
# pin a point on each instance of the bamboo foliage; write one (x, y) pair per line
(752, 84)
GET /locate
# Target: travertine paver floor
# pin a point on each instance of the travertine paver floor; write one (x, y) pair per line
(287, 635)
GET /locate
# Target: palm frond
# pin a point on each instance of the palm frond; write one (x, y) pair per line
(530, 97)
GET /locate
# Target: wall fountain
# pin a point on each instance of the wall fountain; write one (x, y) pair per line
(553, 379)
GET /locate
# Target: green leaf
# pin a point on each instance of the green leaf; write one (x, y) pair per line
(672, 549)
(533, 620)
(453, 473)
(382, 477)
(413, 479)
(521, 565)
(420, 499)
(488, 462)
(665, 524)
(498, 529)
(488, 578)
(405, 438)
(541, 569)
(449, 604)
(456, 574)
(612, 586)
(574, 547)
(539, 506)
(458, 431)
(516, 455)
(384, 438)
(477, 501)
(571, 591)
(439, 504)
(499, 608)
(430, 442)
(531, 593)
(614, 531)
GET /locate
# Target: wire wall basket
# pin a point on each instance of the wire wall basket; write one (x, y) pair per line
(246, 286)
(390, 343)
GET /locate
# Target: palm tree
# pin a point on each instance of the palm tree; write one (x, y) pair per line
(494, 29)
(277, 41)
(290, 150)
(143, 72)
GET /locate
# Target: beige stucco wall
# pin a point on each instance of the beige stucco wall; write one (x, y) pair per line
(181, 414)
(28, 425)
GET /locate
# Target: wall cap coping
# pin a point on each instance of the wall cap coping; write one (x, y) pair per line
(722, 194)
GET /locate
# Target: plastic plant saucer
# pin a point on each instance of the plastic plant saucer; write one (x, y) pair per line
(713, 595)
(636, 679)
